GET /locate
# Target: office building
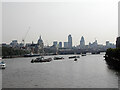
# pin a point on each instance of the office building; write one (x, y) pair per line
(60, 44)
(65, 44)
(82, 42)
(69, 41)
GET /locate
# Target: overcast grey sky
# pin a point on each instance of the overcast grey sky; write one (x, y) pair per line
(56, 20)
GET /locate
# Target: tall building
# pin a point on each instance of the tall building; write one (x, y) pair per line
(82, 42)
(65, 44)
(55, 43)
(69, 41)
(107, 43)
(60, 44)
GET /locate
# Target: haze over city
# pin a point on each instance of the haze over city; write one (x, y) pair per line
(54, 21)
(60, 44)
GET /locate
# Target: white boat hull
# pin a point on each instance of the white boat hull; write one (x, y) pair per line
(2, 66)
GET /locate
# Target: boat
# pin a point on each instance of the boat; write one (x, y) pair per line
(2, 65)
(41, 59)
(83, 54)
(74, 57)
(58, 58)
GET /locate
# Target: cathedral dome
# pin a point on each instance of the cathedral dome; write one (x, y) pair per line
(40, 41)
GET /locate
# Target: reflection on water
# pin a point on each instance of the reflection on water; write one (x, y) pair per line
(88, 72)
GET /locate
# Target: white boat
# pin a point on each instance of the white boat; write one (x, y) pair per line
(41, 59)
(2, 64)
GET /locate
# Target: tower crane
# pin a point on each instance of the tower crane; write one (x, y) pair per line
(23, 39)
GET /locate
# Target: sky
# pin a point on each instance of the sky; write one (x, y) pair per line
(0, 22)
(55, 20)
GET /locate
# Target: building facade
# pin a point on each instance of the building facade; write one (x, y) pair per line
(65, 44)
(60, 44)
(82, 42)
(69, 41)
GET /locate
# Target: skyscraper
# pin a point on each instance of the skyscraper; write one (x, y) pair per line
(60, 44)
(82, 42)
(107, 43)
(69, 41)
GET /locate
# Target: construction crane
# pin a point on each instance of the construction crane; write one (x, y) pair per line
(23, 39)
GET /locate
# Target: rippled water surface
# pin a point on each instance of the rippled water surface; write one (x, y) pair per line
(89, 71)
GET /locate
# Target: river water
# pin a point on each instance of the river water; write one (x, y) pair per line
(89, 71)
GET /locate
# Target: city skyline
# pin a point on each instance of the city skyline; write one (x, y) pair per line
(67, 43)
(55, 20)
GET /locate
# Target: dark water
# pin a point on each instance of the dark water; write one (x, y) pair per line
(89, 71)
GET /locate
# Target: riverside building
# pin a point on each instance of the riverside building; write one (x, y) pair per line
(69, 41)
(82, 43)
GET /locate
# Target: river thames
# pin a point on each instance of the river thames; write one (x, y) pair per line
(88, 71)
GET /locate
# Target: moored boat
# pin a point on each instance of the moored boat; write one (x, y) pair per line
(58, 58)
(2, 64)
(74, 57)
(41, 59)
